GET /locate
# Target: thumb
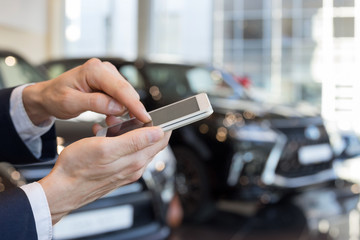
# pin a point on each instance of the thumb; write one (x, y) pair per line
(135, 140)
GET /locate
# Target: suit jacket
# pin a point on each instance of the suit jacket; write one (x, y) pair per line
(16, 217)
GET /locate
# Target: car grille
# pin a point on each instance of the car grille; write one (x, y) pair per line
(290, 165)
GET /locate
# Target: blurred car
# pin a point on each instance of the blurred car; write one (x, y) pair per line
(246, 150)
(135, 211)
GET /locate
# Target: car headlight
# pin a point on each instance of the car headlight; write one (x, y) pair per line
(252, 149)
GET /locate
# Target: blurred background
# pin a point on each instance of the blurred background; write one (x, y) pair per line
(297, 50)
(303, 53)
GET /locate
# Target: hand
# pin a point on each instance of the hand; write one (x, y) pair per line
(95, 86)
(92, 167)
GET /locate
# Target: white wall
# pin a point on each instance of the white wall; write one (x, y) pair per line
(23, 28)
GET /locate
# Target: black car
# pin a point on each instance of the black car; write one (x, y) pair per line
(135, 211)
(246, 150)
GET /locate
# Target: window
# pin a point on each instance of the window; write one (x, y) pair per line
(287, 4)
(312, 3)
(170, 80)
(307, 28)
(343, 3)
(229, 29)
(229, 5)
(109, 25)
(55, 70)
(253, 29)
(287, 27)
(344, 27)
(14, 72)
(253, 5)
(209, 81)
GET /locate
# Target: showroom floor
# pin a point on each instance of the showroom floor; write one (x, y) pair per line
(284, 223)
(297, 218)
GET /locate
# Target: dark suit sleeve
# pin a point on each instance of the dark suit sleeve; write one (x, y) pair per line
(16, 217)
(12, 148)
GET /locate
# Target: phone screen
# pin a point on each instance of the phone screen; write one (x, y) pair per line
(126, 126)
(174, 111)
(159, 116)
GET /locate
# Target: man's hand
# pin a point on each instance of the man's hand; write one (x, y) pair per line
(92, 167)
(95, 86)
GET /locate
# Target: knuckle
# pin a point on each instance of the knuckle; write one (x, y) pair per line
(136, 165)
(136, 176)
(102, 148)
(65, 98)
(123, 84)
(94, 101)
(136, 143)
(93, 62)
(110, 65)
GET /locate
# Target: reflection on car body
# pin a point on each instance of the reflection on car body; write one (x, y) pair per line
(220, 158)
(135, 211)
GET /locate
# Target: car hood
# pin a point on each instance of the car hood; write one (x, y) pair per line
(262, 110)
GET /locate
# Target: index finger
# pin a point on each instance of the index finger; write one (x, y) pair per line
(111, 82)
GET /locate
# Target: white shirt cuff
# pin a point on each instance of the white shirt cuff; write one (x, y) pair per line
(40, 209)
(28, 132)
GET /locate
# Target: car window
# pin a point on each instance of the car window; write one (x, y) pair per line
(55, 70)
(15, 71)
(170, 80)
(133, 76)
(200, 80)
(209, 81)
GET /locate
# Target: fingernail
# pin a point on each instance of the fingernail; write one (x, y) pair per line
(115, 107)
(148, 115)
(155, 135)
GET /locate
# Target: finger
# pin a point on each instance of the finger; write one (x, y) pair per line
(140, 159)
(113, 84)
(95, 128)
(110, 67)
(112, 120)
(100, 103)
(133, 141)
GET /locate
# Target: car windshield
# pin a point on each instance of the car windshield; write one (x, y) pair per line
(177, 81)
(15, 71)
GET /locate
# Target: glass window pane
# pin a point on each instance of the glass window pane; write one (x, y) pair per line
(344, 27)
(253, 29)
(343, 3)
(170, 80)
(287, 27)
(55, 70)
(312, 3)
(253, 4)
(252, 60)
(229, 29)
(229, 5)
(253, 44)
(287, 4)
(228, 55)
(15, 72)
(307, 28)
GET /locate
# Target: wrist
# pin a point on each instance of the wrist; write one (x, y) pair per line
(59, 200)
(34, 104)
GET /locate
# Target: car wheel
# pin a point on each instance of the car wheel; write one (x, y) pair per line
(192, 185)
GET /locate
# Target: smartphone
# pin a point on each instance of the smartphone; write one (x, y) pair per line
(169, 117)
